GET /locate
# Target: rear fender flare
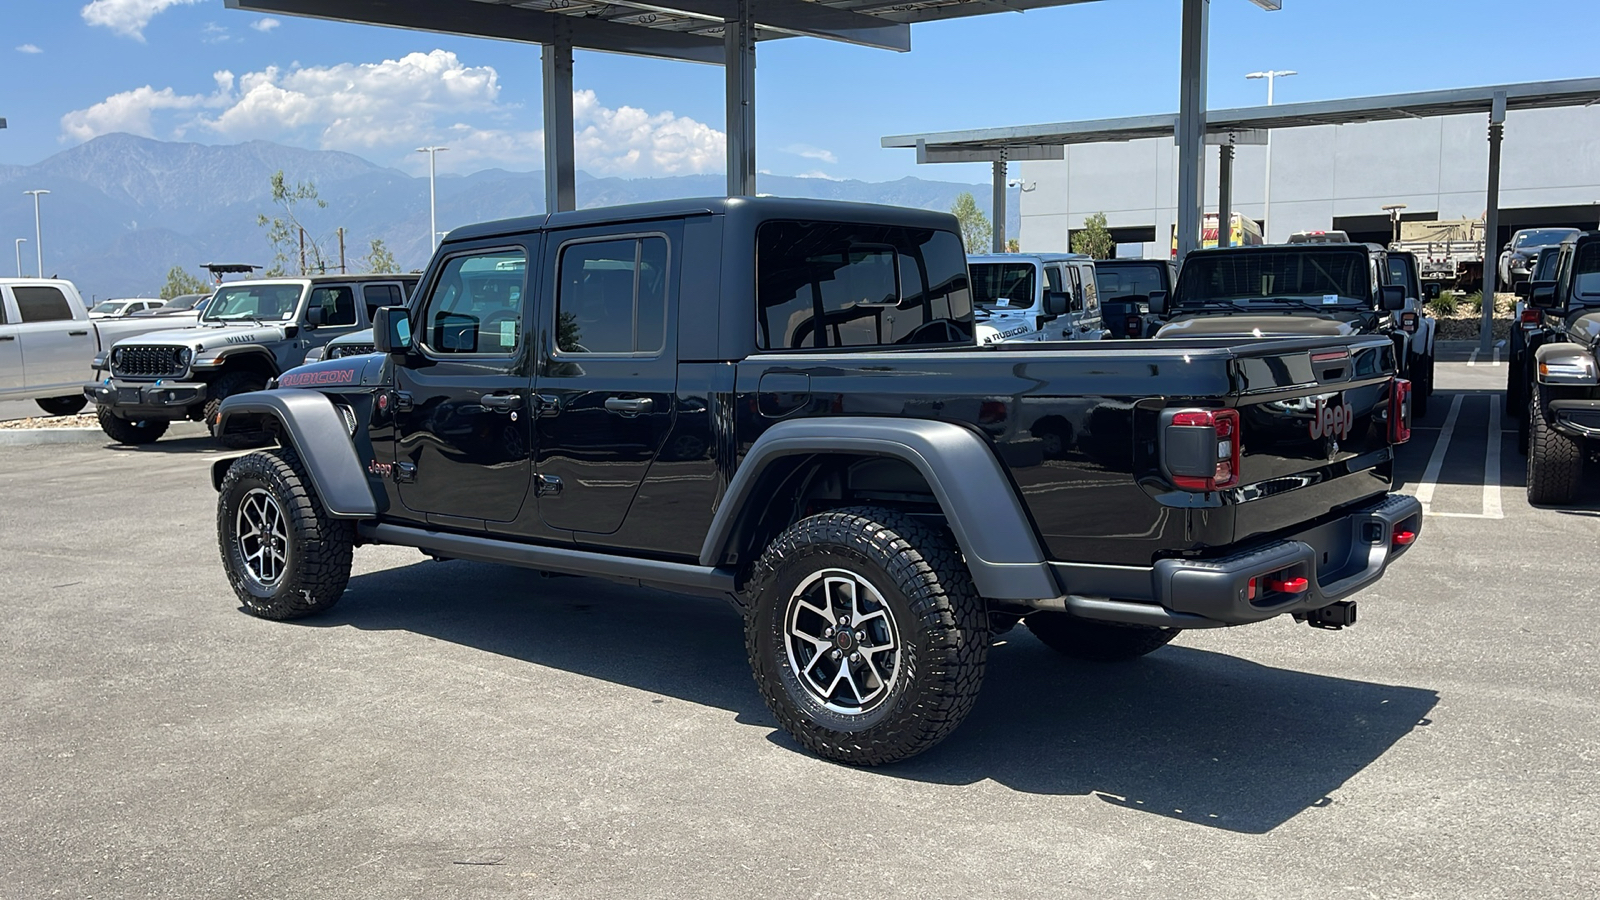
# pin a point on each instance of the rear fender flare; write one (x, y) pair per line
(988, 519)
(308, 423)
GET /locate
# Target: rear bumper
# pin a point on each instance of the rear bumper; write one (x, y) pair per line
(1336, 559)
(155, 399)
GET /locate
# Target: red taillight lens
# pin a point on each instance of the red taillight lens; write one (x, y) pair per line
(1403, 536)
(991, 412)
(1531, 316)
(1408, 321)
(1135, 326)
(1222, 464)
(1400, 411)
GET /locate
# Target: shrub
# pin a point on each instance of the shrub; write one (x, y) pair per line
(1444, 304)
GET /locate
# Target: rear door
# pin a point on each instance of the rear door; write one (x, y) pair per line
(462, 406)
(608, 382)
(56, 349)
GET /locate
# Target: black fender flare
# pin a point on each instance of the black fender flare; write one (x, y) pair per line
(988, 519)
(309, 424)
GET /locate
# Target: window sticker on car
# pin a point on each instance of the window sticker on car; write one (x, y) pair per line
(1330, 298)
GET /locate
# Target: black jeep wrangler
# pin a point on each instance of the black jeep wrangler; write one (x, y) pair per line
(780, 402)
(1560, 373)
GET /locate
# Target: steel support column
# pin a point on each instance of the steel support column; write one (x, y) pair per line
(1224, 195)
(1491, 223)
(1192, 124)
(560, 164)
(739, 37)
(999, 245)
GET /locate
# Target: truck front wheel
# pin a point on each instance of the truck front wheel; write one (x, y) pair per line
(1555, 461)
(130, 431)
(866, 635)
(1096, 641)
(63, 406)
(285, 557)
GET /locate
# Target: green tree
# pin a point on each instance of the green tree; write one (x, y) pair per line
(379, 259)
(1094, 239)
(284, 232)
(975, 227)
(181, 282)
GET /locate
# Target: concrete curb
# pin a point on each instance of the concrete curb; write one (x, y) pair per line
(27, 437)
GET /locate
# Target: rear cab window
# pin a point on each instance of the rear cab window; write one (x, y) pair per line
(42, 303)
(837, 285)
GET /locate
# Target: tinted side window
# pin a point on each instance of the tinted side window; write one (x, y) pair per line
(338, 303)
(1076, 303)
(378, 295)
(476, 305)
(42, 304)
(837, 285)
(612, 296)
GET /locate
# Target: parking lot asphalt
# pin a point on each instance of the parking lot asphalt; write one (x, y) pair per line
(464, 730)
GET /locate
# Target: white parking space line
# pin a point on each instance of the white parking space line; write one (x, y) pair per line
(1491, 462)
(1430, 475)
(1496, 354)
(1472, 359)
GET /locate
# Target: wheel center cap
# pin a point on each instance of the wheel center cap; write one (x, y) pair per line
(844, 639)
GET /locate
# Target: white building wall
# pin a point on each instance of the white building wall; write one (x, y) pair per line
(1550, 157)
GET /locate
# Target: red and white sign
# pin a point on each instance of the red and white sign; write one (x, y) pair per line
(1332, 421)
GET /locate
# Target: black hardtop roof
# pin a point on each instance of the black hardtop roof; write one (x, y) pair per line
(758, 208)
(1131, 260)
(1317, 247)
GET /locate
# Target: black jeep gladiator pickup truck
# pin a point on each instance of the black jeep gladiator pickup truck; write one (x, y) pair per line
(780, 402)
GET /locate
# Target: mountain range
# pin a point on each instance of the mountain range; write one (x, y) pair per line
(123, 210)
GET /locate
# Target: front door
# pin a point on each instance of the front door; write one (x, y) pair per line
(10, 347)
(607, 388)
(463, 410)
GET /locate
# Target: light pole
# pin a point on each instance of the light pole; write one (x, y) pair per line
(38, 237)
(1266, 204)
(20, 242)
(433, 220)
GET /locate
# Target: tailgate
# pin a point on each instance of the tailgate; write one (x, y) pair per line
(1314, 422)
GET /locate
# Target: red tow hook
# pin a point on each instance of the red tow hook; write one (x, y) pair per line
(1403, 537)
(1288, 585)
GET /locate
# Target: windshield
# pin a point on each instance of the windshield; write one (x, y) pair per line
(262, 302)
(1542, 237)
(1003, 284)
(109, 306)
(1298, 276)
(1124, 282)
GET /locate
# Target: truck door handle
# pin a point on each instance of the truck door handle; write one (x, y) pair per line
(7, 337)
(629, 408)
(77, 334)
(500, 402)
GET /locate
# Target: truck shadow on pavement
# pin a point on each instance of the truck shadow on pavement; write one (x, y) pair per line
(1183, 733)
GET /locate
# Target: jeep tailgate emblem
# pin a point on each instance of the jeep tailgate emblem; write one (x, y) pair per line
(1332, 421)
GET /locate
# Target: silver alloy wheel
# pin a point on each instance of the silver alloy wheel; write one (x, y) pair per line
(842, 641)
(263, 538)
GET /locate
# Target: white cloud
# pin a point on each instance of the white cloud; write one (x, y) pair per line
(822, 175)
(128, 17)
(29, 48)
(265, 24)
(212, 33)
(387, 109)
(809, 152)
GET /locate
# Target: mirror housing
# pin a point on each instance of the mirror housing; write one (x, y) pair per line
(391, 329)
(314, 317)
(1432, 290)
(1055, 303)
(1158, 303)
(1542, 294)
(1523, 289)
(1393, 297)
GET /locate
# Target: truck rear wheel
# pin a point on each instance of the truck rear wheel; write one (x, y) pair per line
(1555, 461)
(130, 431)
(1096, 641)
(223, 388)
(866, 635)
(63, 406)
(284, 555)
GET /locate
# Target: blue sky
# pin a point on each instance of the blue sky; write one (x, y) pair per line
(193, 70)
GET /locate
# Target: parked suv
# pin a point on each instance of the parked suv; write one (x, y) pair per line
(249, 333)
(1562, 372)
(1517, 257)
(781, 402)
(1035, 297)
(1125, 286)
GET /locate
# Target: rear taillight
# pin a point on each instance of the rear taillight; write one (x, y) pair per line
(991, 412)
(1134, 326)
(1201, 448)
(1408, 321)
(1400, 411)
(1531, 316)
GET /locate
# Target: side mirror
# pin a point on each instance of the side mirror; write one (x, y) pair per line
(1542, 294)
(1158, 303)
(1523, 289)
(314, 317)
(391, 329)
(1055, 303)
(1394, 297)
(1432, 290)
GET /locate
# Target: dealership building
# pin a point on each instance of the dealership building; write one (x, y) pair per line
(1328, 177)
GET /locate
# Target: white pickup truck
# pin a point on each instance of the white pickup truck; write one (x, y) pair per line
(48, 342)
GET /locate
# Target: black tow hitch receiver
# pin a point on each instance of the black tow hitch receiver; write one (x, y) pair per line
(1333, 617)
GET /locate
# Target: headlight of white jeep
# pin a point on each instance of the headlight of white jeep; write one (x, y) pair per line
(116, 357)
(184, 356)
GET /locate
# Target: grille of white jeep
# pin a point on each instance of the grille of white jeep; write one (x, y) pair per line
(351, 350)
(146, 362)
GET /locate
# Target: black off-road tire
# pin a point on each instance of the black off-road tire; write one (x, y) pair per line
(130, 431)
(1096, 641)
(63, 406)
(318, 548)
(942, 632)
(1515, 405)
(229, 384)
(1555, 461)
(1422, 388)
